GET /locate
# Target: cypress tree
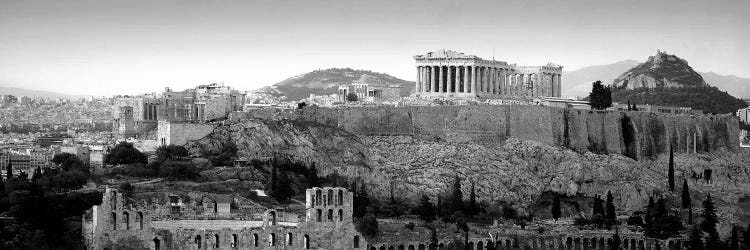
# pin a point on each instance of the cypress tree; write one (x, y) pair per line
(598, 206)
(439, 206)
(747, 236)
(649, 220)
(36, 175)
(457, 203)
(610, 207)
(426, 209)
(709, 222)
(734, 243)
(615, 241)
(556, 207)
(685, 194)
(671, 169)
(274, 176)
(695, 239)
(283, 191)
(473, 209)
(9, 169)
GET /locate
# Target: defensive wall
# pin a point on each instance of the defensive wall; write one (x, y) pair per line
(179, 133)
(632, 133)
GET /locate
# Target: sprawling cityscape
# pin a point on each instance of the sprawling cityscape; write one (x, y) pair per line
(470, 152)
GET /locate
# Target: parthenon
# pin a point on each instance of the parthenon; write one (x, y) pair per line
(447, 73)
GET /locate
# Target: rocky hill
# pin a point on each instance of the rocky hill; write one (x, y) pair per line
(668, 80)
(660, 71)
(578, 82)
(513, 170)
(326, 82)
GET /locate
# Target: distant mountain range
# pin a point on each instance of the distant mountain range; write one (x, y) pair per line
(326, 82)
(578, 82)
(18, 92)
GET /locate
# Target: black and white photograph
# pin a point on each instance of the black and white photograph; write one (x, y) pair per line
(375, 125)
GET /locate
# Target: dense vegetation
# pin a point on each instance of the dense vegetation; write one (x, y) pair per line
(46, 209)
(709, 99)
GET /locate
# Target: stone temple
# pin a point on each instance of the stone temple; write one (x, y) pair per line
(447, 74)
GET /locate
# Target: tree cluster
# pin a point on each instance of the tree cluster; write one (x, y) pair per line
(600, 96)
(660, 222)
(124, 153)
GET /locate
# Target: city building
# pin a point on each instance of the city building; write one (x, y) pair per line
(744, 115)
(367, 92)
(446, 73)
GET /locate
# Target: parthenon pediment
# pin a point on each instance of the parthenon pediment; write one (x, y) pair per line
(445, 54)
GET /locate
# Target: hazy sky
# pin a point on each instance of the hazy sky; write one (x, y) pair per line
(104, 47)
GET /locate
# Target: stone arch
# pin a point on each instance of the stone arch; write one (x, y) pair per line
(270, 217)
(480, 245)
(356, 241)
(156, 243)
(330, 198)
(289, 239)
(391, 248)
(198, 241)
(139, 217)
(319, 215)
(216, 240)
(401, 247)
(234, 241)
(441, 245)
(341, 215)
(641, 244)
(411, 247)
(318, 194)
(508, 243)
(255, 240)
(470, 246)
(341, 197)
(126, 220)
(330, 215)
(272, 239)
(382, 247)
(113, 217)
(420, 247)
(306, 241)
(632, 244)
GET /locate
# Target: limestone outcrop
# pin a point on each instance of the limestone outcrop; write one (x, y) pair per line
(660, 71)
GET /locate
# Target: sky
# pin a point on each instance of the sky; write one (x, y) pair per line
(108, 47)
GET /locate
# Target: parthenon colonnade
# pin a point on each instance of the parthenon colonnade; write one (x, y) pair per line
(453, 74)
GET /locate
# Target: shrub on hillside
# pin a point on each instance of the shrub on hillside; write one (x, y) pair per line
(125, 153)
(178, 170)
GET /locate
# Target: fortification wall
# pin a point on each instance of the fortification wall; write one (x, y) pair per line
(636, 134)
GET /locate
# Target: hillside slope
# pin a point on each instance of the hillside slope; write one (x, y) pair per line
(668, 80)
(326, 82)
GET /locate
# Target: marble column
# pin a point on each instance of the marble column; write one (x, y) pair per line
(466, 79)
(559, 85)
(474, 77)
(485, 79)
(425, 76)
(418, 80)
(441, 73)
(457, 86)
(448, 80)
(493, 77)
(433, 77)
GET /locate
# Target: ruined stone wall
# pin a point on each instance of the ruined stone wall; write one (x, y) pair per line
(180, 133)
(636, 134)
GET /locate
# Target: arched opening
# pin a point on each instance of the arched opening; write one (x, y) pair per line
(470, 245)
(632, 243)
(341, 215)
(319, 216)
(216, 241)
(420, 247)
(330, 215)
(272, 240)
(126, 220)
(480, 245)
(114, 221)
(568, 243)
(216, 207)
(272, 218)
(289, 239)
(198, 241)
(391, 248)
(139, 216)
(382, 247)
(341, 197)
(114, 200)
(330, 197)
(643, 246)
(401, 247)
(625, 243)
(441, 245)
(411, 247)
(507, 242)
(707, 175)
(306, 241)
(356, 241)
(317, 197)
(593, 242)
(255, 240)
(234, 240)
(156, 243)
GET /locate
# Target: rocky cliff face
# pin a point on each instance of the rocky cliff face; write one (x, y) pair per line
(660, 71)
(511, 170)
